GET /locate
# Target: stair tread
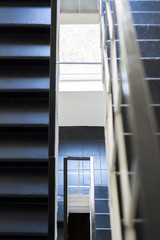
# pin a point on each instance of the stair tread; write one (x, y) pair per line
(19, 219)
(151, 65)
(146, 31)
(24, 46)
(25, 77)
(24, 112)
(25, 15)
(23, 145)
(23, 182)
(152, 46)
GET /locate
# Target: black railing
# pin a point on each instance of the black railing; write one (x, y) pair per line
(53, 121)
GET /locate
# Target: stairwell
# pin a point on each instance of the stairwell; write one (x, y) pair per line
(146, 21)
(24, 113)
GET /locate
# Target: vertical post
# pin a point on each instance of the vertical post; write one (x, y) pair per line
(53, 127)
(65, 200)
(78, 176)
(92, 202)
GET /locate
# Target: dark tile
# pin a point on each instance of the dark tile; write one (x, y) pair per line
(70, 133)
(62, 148)
(97, 177)
(93, 133)
(103, 234)
(102, 221)
(103, 162)
(102, 147)
(60, 178)
(60, 233)
(60, 162)
(97, 162)
(60, 211)
(104, 175)
(101, 192)
(101, 206)
(74, 148)
(86, 177)
(60, 190)
(91, 148)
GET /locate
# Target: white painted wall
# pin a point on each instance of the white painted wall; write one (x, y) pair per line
(81, 108)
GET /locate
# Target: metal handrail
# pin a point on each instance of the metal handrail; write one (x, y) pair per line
(92, 196)
(87, 63)
(143, 125)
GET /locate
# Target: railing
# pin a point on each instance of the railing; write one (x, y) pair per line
(91, 194)
(53, 121)
(80, 71)
(134, 174)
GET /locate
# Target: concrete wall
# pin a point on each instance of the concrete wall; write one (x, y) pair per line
(81, 108)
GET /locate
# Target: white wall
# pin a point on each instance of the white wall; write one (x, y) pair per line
(81, 108)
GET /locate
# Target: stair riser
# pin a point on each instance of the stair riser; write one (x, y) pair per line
(151, 66)
(128, 141)
(25, 15)
(143, 5)
(147, 48)
(23, 219)
(125, 112)
(23, 145)
(154, 87)
(24, 111)
(25, 3)
(144, 31)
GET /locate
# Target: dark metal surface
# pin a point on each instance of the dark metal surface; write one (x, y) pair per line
(52, 222)
(92, 202)
(65, 200)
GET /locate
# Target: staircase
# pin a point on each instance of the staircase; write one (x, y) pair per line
(146, 19)
(102, 215)
(24, 118)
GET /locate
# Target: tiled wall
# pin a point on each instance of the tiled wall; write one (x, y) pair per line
(83, 141)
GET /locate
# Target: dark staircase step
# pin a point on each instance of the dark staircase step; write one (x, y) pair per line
(128, 142)
(25, 16)
(23, 219)
(148, 48)
(103, 234)
(144, 31)
(23, 183)
(154, 85)
(151, 66)
(102, 220)
(23, 145)
(24, 112)
(101, 192)
(101, 205)
(24, 162)
(24, 78)
(143, 5)
(31, 3)
(24, 46)
(125, 112)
